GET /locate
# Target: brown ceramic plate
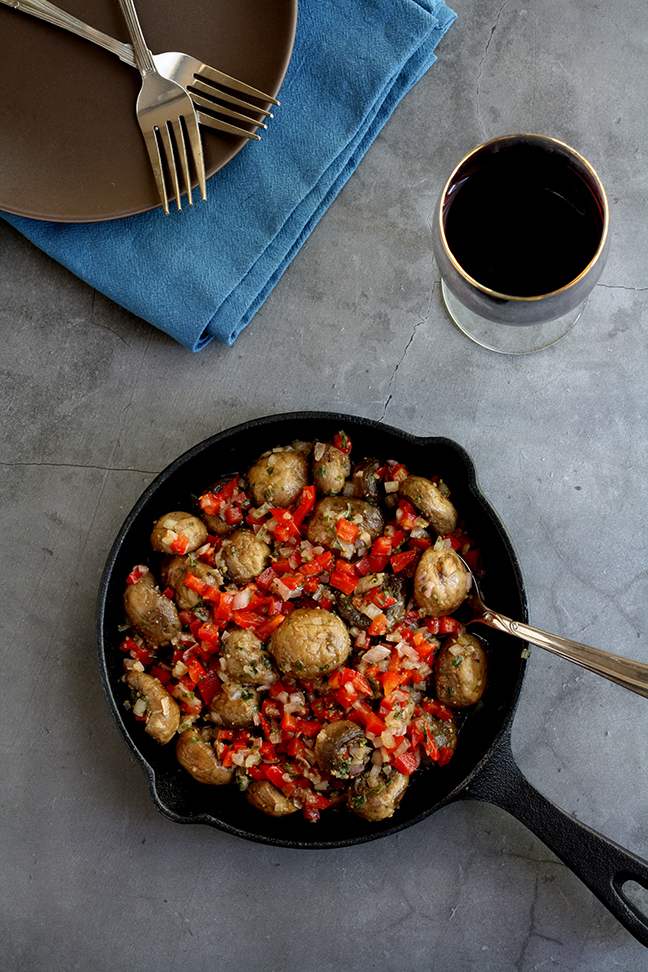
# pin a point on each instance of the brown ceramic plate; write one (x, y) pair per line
(71, 149)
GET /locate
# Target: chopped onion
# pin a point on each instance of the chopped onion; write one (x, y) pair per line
(242, 599)
(391, 487)
(366, 583)
(376, 654)
(371, 610)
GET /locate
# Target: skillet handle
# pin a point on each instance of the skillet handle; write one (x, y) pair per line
(600, 863)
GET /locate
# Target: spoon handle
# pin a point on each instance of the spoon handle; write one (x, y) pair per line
(630, 674)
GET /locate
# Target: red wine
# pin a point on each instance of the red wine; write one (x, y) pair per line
(522, 221)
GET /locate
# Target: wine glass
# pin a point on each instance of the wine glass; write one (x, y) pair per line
(520, 237)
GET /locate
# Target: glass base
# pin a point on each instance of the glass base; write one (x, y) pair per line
(508, 338)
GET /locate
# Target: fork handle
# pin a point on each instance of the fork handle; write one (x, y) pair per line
(630, 674)
(143, 56)
(52, 14)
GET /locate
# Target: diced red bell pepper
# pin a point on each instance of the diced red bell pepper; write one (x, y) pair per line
(381, 546)
(445, 755)
(423, 644)
(194, 583)
(266, 578)
(195, 670)
(276, 776)
(143, 654)
(397, 473)
(438, 709)
(268, 752)
(342, 442)
(342, 676)
(400, 560)
(407, 762)
(247, 619)
(292, 581)
(308, 727)
(421, 733)
(233, 515)
(209, 632)
(380, 598)
(187, 617)
(391, 681)
(306, 504)
(223, 610)
(257, 772)
(284, 519)
(378, 626)
(346, 696)
(296, 746)
(136, 573)
(161, 674)
(344, 577)
(265, 629)
(397, 537)
(169, 592)
(362, 566)
(180, 544)
(454, 542)
(377, 562)
(444, 625)
(364, 714)
(209, 686)
(419, 543)
(346, 531)
(326, 710)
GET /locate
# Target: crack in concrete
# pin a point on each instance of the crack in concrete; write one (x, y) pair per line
(481, 65)
(400, 361)
(75, 465)
(632, 290)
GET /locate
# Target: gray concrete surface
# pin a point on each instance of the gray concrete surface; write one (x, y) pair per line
(96, 402)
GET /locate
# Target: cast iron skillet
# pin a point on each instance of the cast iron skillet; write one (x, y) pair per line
(482, 768)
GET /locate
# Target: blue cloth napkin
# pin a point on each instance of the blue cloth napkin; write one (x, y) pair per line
(203, 273)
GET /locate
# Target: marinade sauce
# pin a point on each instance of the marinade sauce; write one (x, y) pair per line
(522, 221)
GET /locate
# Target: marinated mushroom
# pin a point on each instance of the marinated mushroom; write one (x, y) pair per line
(376, 794)
(460, 670)
(431, 503)
(178, 533)
(162, 711)
(244, 556)
(174, 571)
(441, 581)
(243, 658)
(365, 481)
(311, 642)
(279, 477)
(235, 706)
(150, 612)
(199, 759)
(326, 513)
(263, 795)
(331, 467)
(358, 610)
(341, 749)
